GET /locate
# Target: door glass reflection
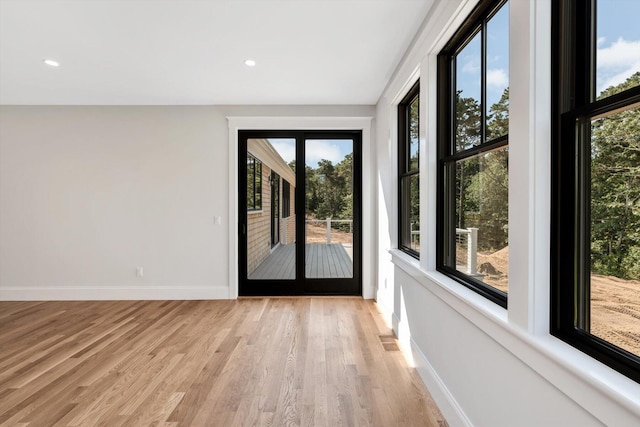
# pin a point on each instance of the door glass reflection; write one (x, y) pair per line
(329, 208)
(271, 211)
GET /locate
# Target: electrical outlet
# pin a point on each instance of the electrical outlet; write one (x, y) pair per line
(139, 271)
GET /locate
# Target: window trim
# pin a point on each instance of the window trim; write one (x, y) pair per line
(448, 155)
(403, 163)
(574, 107)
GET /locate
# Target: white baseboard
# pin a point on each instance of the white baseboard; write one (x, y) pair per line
(448, 405)
(396, 324)
(112, 293)
(385, 311)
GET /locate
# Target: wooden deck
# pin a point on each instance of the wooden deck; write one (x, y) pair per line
(322, 261)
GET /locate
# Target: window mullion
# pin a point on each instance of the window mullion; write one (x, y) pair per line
(452, 122)
(254, 168)
(591, 49)
(450, 170)
(483, 148)
(583, 221)
(483, 83)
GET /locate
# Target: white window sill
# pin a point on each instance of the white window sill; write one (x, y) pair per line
(559, 363)
(437, 282)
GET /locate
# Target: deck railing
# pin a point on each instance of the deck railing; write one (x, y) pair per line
(472, 245)
(329, 222)
(415, 235)
(472, 248)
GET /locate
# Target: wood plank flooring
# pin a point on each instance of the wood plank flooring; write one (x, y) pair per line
(322, 261)
(262, 361)
(328, 261)
(279, 265)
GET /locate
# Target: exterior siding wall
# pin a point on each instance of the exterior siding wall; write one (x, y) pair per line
(259, 226)
(288, 225)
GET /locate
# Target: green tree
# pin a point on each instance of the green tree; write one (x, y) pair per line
(483, 181)
(489, 189)
(491, 184)
(467, 135)
(498, 118)
(312, 197)
(330, 192)
(467, 122)
(344, 170)
(615, 190)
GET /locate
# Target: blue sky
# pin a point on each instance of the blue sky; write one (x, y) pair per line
(618, 36)
(618, 50)
(468, 61)
(316, 149)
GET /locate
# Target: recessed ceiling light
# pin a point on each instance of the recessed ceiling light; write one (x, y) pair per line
(249, 62)
(51, 62)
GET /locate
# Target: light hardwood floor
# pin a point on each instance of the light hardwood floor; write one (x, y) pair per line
(262, 361)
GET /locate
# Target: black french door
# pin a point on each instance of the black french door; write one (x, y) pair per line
(300, 212)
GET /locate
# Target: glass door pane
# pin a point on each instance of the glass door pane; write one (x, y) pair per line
(329, 208)
(271, 226)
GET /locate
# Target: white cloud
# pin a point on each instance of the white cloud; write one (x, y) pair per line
(616, 79)
(617, 62)
(316, 150)
(620, 53)
(472, 67)
(497, 78)
(286, 149)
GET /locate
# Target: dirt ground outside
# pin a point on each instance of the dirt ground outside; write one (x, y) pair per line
(615, 303)
(493, 267)
(615, 311)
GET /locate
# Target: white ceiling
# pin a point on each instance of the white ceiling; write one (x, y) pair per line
(190, 52)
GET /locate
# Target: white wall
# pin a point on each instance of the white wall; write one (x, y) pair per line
(487, 366)
(87, 194)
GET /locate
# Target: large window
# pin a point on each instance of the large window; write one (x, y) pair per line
(254, 183)
(595, 249)
(409, 172)
(473, 153)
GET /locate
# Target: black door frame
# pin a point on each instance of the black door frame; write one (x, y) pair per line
(301, 285)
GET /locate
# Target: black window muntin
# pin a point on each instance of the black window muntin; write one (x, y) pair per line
(286, 199)
(254, 183)
(447, 153)
(574, 106)
(405, 171)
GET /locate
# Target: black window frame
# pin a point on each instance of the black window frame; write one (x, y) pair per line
(286, 199)
(574, 106)
(405, 173)
(254, 175)
(448, 155)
